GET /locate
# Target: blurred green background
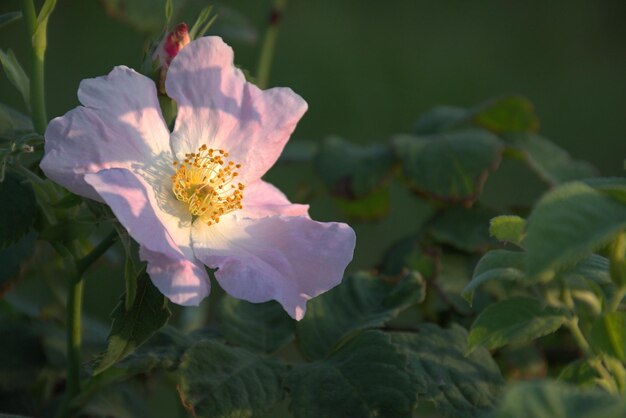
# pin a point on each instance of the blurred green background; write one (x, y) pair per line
(368, 69)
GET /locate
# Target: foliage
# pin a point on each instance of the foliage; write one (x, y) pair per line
(429, 329)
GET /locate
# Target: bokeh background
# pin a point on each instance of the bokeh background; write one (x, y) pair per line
(367, 70)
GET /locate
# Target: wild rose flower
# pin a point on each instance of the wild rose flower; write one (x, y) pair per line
(195, 197)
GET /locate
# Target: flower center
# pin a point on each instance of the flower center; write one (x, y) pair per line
(205, 181)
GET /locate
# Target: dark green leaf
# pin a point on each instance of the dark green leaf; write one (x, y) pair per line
(547, 399)
(263, 327)
(459, 385)
(11, 259)
(18, 209)
(464, 229)
(366, 377)
(359, 302)
(514, 320)
(548, 160)
(16, 74)
(67, 231)
(407, 254)
(9, 17)
(299, 151)
(608, 335)
(612, 186)
(366, 209)
(507, 114)
(568, 223)
(13, 123)
(451, 167)
(21, 355)
(440, 119)
(496, 265)
(508, 228)
(133, 327)
(217, 381)
(351, 171)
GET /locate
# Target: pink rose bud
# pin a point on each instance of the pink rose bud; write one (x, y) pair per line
(169, 47)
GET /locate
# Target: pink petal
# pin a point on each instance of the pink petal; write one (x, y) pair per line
(217, 107)
(288, 259)
(261, 199)
(120, 126)
(161, 227)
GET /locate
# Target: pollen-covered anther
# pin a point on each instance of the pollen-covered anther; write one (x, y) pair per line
(205, 181)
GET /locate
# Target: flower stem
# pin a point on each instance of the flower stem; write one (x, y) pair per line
(38, 51)
(75, 286)
(269, 41)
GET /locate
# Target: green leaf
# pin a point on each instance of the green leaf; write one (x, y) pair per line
(351, 171)
(299, 151)
(16, 74)
(366, 377)
(451, 167)
(360, 301)
(580, 373)
(67, 231)
(459, 385)
(217, 381)
(608, 335)
(439, 119)
(548, 399)
(18, 209)
(12, 258)
(548, 160)
(508, 228)
(169, 11)
(366, 209)
(133, 327)
(42, 26)
(514, 320)
(202, 24)
(408, 254)
(9, 17)
(506, 114)
(21, 355)
(568, 223)
(500, 265)
(611, 186)
(13, 123)
(263, 327)
(464, 229)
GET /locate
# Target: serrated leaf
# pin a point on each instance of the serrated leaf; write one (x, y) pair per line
(548, 399)
(451, 167)
(608, 335)
(568, 223)
(464, 229)
(16, 74)
(514, 320)
(9, 17)
(263, 327)
(366, 377)
(506, 114)
(439, 119)
(360, 301)
(496, 265)
(18, 209)
(508, 228)
(133, 327)
(548, 160)
(352, 171)
(12, 258)
(217, 381)
(438, 364)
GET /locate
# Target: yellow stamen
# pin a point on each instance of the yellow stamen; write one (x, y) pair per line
(203, 181)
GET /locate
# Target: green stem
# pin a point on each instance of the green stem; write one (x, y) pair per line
(580, 339)
(38, 51)
(269, 42)
(617, 258)
(73, 321)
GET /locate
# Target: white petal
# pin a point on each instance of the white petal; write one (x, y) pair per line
(262, 199)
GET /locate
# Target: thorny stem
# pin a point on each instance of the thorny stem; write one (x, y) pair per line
(38, 51)
(269, 41)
